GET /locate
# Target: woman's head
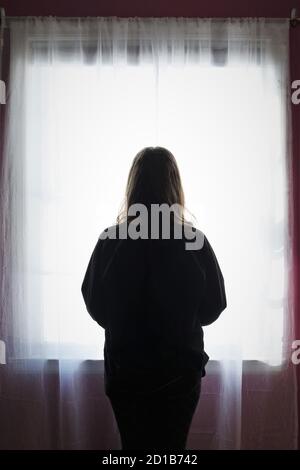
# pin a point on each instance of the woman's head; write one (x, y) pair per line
(154, 178)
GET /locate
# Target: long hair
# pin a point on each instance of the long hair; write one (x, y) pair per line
(153, 178)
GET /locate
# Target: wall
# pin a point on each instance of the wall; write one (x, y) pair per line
(268, 8)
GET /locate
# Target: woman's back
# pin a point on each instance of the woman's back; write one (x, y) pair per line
(152, 296)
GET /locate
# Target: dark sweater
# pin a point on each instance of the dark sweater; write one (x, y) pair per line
(152, 297)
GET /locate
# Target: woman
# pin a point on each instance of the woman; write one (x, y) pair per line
(152, 294)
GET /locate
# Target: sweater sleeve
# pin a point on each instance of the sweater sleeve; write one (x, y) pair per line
(91, 286)
(214, 298)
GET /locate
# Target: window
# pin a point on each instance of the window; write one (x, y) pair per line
(224, 124)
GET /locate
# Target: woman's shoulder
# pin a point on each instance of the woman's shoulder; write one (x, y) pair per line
(115, 232)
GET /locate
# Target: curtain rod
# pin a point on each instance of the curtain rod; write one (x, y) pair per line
(294, 19)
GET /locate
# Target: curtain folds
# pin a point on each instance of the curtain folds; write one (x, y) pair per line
(84, 96)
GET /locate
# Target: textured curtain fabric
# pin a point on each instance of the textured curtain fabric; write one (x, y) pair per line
(84, 97)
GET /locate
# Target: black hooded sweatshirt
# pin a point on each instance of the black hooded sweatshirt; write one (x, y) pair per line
(152, 297)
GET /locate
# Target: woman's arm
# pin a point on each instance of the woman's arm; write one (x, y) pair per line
(91, 286)
(214, 298)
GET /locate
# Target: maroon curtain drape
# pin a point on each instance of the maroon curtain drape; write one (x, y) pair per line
(295, 203)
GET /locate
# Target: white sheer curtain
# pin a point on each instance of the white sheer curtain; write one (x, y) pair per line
(84, 96)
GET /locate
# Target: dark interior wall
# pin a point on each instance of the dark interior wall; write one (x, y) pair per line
(267, 8)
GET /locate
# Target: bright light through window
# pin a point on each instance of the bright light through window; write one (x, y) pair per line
(223, 124)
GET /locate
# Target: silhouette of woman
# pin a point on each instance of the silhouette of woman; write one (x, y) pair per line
(152, 292)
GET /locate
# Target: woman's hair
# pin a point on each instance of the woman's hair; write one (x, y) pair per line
(154, 178)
